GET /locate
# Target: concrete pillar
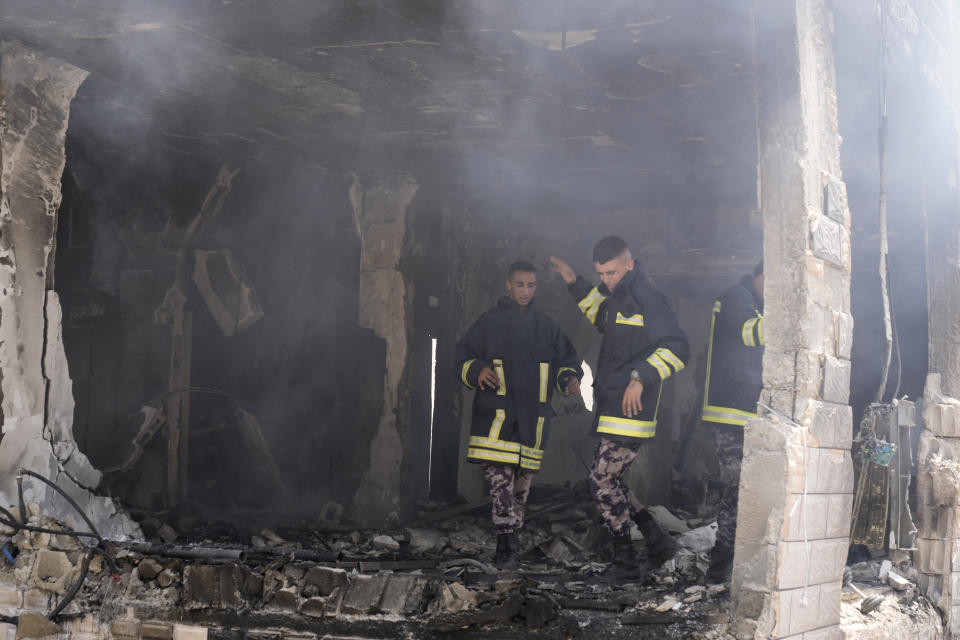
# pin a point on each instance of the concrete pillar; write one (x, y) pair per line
(37, 402)
(797, 475)
(380, 207)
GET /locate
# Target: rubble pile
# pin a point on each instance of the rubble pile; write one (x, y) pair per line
(433, 576)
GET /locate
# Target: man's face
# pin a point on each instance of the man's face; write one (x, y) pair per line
(611, 273)
(521, 287)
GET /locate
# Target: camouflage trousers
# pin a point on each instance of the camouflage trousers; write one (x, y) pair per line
(729, 442)
(509, 489)
(610, 493)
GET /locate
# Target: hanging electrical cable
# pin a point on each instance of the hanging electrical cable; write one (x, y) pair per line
(884, 265)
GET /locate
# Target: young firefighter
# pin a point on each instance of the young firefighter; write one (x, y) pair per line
(642, 346)
(734, 380)
(514, 356)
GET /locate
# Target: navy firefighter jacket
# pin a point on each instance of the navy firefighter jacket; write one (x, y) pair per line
(735, 356)
(531, 357)
(640, 333)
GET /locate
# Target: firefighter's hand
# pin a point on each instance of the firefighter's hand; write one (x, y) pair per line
(487, 378)
(573, 387)
(631, 399)
(559, 266)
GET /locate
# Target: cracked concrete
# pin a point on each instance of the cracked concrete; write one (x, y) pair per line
(37, 400)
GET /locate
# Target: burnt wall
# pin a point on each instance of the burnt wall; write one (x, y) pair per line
(312, 377)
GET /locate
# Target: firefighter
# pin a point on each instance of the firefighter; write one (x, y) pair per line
(514, 356)
(642, 346)
(731, 391)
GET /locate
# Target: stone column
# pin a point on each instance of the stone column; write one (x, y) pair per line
(797, 475)
(37, 401)
(938, 457)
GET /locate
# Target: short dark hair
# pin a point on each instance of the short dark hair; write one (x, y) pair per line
(758, 270)
(521, 265)
(609, 248)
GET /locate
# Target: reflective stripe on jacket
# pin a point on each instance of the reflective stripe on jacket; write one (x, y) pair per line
(735, 356)
(639, 332)
(531, 357)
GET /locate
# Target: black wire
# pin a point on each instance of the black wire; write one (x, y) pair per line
(73, 503)
(23, 507)
(84, 569)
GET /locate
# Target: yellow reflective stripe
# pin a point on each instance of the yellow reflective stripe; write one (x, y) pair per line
(527, 463)
(465, 370)
(539, 442)
(544, 377)
(760, 331)
(726, 415)
(592, 299)
(590, 304)
(493, 456)
(671, 358)
(635, 320)
(713, 328)
(561, 372)
(627, 427)
(497, 424)
(659, 365)
(747, 332)
(503, 445)
(498, 367)
(531, 453)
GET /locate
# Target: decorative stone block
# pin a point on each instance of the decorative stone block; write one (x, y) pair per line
(839, 510)
(814, 562)
(813, 519)
(831, 424)
(844, 334)
(836, 380)
(833, 199)
(827, 239)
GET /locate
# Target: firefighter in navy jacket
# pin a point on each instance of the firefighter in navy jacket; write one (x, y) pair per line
(515, 357)
(642, 346)
(732, 388)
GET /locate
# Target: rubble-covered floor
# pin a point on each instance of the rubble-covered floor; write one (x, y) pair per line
(429, 578)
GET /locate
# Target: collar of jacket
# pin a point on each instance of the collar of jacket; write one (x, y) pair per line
(625, 282)
(747, 282)
(507, 304)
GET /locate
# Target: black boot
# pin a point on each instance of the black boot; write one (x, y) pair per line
(721, 564)
(624, 554)
(506, 554)
(625, 567)
(660, 545)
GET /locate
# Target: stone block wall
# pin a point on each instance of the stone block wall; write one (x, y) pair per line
(937, 557)
(796, 490)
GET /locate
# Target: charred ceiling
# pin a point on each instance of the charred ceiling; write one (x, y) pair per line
(605, 93)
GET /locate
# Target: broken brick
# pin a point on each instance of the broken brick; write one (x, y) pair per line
(166, 578)
(314, 607)
(364, 594)
(401, 590)
(326, 579)
(149, 569)
(288, 598)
